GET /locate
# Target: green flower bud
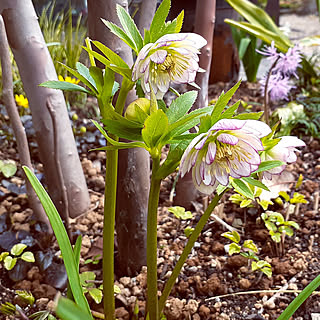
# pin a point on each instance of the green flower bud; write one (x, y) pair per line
(132, 112)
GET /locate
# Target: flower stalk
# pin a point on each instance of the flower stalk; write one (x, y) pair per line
(109, 213)
(186, 251)
(152, 223)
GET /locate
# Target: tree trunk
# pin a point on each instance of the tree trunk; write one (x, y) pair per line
(204, 25)
(134, 164)
(17, 126)
(146, 14)
(36, 66)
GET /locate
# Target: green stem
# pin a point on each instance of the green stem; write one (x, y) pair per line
(186, 251)
(152, 279)
(109, 215)
(301, 298)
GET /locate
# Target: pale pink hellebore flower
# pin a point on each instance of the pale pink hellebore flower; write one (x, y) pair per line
(283, 151)
(230, 148)
(172, 58)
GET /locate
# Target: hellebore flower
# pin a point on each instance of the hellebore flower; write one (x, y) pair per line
(230, 148)
(283, 151)
(278, 87)
(22, 101)
(172, 58)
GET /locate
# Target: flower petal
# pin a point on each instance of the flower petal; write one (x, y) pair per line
(228, 138)
(159, 56)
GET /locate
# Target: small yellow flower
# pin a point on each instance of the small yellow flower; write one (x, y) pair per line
(68, 79)
(22, 101)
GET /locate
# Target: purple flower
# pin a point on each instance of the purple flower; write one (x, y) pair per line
(230, 148)
(270, 52)
(172, 58)
(289, 62)
(283, 151)
(278, 87)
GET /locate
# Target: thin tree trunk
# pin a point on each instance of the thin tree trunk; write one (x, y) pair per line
(146, 14)
(36, 66)
(204, 25)
(18, 129)
(134, 164)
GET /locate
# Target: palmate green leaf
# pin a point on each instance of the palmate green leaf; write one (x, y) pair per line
(258, 17)
(155, 127)
(130, 28)
(242, 188)
(181, 105)
(261, 33)
(221, 103)
(68, 310)
(158, 21)
(267, 165)
(180, 213)
(64, 244)
(119, 33)
(65, 86)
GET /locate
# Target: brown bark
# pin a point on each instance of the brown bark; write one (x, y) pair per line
(18, 129)
(134, 166)
(146, 14)
(36, 66)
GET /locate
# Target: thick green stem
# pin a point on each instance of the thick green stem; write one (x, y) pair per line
(152, 279)
(186, 251)
(109, 216)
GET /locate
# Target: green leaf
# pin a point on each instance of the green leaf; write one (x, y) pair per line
(293, 224)
(123, 128)
(232, 235)
(9, 262)
(119, 33)
(97, 76)
(255, 183)
(258, 17)
(267, 165)
(230, 111)
(234, 248)
(242, 188)
(17, 249)
(249, 244)
(68, 310)
(64, 245)
(116, 289)
(287, 230)
(179, 19)
(96, 295)
(261, 33)
(222, 102)
(181, 105)
(180, 213)
(249, 115)
(155, 127)
(130, 28)
(3, 255)
(8, 168)
(85, 73)
(245, 203)
(276, 237)
(26, 296)
(28, 256)
(284, 195)
(188, 231)
(205, 124)
(158, 21)
(85, 276)
(243, 46)
(65, 86)
(111, 55)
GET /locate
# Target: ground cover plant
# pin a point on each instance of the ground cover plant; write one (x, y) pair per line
(229, 151)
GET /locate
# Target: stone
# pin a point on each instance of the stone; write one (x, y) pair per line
(122, 313)
(244, 283)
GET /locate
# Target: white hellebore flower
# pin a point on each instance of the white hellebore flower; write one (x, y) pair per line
(230, 148)
(172, 58)
(283, 151)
